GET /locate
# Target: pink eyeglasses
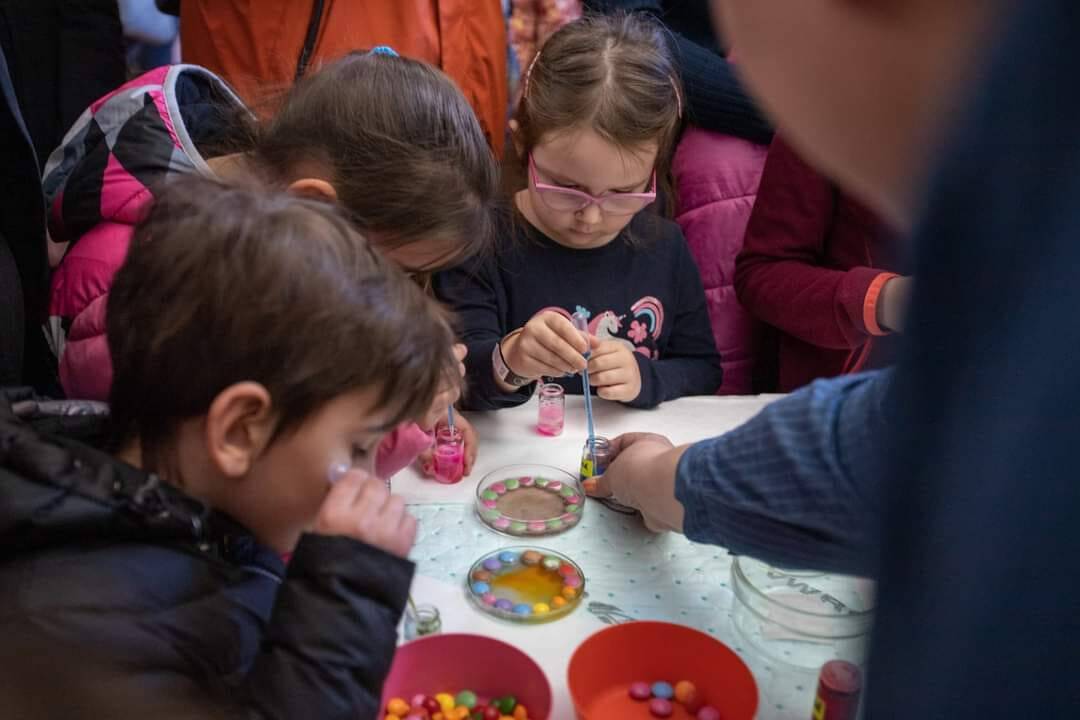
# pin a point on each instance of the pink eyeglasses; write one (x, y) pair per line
(564, 199)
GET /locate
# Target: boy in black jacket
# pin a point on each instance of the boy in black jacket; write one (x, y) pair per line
(261, 349)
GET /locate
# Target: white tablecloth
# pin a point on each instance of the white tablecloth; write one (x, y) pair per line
(642, 575)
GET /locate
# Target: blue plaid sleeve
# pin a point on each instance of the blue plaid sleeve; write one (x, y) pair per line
(798, 485)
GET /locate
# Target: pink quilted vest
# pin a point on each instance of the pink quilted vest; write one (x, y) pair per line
(716, 182)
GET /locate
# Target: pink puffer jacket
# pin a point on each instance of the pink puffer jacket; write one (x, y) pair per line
(99, 182)
(716, 181)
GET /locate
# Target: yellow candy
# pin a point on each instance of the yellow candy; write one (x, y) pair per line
(462, 713)
(446, 701)
(391, 717)
(558, 601)
(541, 608)
(398, 707)
(569, 593)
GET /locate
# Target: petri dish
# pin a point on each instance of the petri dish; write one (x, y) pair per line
(525, 584)
(530, 500)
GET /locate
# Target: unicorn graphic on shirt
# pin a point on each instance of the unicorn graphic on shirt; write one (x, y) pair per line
(641, 335)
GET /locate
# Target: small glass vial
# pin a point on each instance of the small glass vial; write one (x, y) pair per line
(424, 620)
(552, 410)
(449, 455)
(594, 457)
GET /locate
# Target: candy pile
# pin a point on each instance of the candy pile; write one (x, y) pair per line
(660, 694)
(463, 706)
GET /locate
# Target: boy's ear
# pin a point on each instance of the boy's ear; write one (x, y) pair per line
(314, 189)
(239, 425)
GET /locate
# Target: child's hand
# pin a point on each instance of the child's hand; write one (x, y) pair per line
(893, 303)
(614, 372)
(447, 396)
(426, 459)
(548, 345)
(360, 506)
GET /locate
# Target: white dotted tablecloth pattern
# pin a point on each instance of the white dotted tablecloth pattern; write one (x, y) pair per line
(630, 572)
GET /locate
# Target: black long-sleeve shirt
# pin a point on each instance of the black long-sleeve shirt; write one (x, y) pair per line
(641, 289)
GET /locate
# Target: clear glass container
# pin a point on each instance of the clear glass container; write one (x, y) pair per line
(595, 457)
(421, 620)
(800, 618)
(529, 500)
(449, 455)
(552, 413)
(525, 584)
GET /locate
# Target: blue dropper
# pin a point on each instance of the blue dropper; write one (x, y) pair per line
(582, 324)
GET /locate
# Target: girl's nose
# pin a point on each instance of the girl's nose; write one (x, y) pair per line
(591, 214)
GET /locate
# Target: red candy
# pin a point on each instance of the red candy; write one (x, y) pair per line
(708, 713)
(640, 691)
(661, 708)
(492, 713)
(431, 705)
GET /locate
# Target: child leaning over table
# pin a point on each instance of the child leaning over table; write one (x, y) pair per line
(598, 119)
(261, 349)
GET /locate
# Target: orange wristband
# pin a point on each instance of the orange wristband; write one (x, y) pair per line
(869, 310)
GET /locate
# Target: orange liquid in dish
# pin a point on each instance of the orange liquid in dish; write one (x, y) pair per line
(529, 585)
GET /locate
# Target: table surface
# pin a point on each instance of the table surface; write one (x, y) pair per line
(630, 572)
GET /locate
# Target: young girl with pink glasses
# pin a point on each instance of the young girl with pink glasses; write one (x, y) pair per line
(599, 116)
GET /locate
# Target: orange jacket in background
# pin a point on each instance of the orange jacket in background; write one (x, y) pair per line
(258, 43)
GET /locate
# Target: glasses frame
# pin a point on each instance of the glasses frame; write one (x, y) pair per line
(545, 191)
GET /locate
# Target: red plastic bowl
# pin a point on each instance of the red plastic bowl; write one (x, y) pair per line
(602, 669)
(455, 662)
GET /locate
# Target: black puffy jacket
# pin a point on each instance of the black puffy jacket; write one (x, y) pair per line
(96, 553)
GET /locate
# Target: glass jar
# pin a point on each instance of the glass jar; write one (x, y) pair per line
(552, 414)
(595, 457)
(449, 455)
(422, 620)
(801, 619)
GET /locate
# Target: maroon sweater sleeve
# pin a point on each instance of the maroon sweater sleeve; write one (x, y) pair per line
(780, 276)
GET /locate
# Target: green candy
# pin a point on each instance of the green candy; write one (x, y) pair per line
(466, 698)
(506, 704)
(517, 527)
(489, 495)
(567, 491)
(552, 563)
(554, 524)
(490, 515)
(574, 508)
(541, 482)
(512, 484)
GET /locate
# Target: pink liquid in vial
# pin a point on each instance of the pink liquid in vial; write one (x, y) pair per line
(449, 464)
(551, 420)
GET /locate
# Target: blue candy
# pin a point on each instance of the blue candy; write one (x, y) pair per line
(522, 609)
(480, 588)
(663, 690)
(507, 558)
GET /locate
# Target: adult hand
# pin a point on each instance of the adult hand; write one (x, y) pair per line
(548, 345)
(470, 440)
(614, 372)
(642, 476)
(893, 303)
(360, 506)
(447, 396)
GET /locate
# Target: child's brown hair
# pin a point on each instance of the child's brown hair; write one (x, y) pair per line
(224, 284)
(611, 73)
(407, 154)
